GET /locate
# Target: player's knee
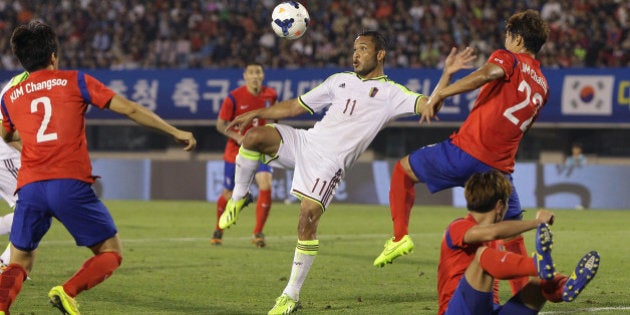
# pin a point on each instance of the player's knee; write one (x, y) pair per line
(262, 139)
(253, 138)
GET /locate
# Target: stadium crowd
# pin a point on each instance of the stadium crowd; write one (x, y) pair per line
(129, 34)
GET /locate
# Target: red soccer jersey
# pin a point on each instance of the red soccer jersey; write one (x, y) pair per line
(455, 256)
(504, 110)
(47, 110)
(239, 101)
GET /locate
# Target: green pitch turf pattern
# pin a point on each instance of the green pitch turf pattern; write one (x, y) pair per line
(170, 267)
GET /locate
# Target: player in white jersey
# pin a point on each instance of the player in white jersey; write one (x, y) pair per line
(358, 104)
(9, 165)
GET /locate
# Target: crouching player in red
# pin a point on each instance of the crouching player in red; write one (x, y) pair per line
(469, 265)
(47, 111)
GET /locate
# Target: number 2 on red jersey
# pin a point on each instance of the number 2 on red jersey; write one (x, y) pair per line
(44, 101)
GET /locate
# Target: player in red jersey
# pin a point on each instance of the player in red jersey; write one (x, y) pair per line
(469, 264)
(251, 96)
(47, 110)
(513, 90)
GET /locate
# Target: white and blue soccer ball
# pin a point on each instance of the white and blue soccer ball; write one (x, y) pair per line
(289, 20)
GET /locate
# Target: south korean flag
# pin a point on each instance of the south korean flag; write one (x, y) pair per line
(587, 95)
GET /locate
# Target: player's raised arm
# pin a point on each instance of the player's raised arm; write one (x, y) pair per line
(454, 62)
(488, 72)
(147, 118)
(284, 109)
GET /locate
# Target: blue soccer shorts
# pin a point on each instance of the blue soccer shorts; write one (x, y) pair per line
(229, 169)
(468, 301)
(443, 165)
(70, 201)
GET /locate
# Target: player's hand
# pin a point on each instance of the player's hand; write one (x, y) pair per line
(187, 138)
(241, 121)
(456, 61)
(239, 139)
(428, 111)
(545, 216)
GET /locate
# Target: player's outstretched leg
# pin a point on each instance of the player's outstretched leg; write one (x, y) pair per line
(394, 249)
(61, 300)
(232, 210)
(584, 272)
(284, 305)
(542, 257)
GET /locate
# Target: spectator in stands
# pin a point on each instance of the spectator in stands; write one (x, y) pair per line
(240, 26)
(577, 158)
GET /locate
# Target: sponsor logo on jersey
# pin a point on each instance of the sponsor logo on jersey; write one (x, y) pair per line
(373, 92)
(587, 95)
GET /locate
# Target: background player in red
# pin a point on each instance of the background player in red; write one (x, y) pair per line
(47, 110)
(513, 90)
(253, 95)
(468, 266)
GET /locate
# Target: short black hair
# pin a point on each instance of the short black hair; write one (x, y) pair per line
(380, 43)
(33, 44)
(253, 63)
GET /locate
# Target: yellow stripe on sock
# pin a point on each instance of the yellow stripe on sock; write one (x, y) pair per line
(308, 247)
(249, 154)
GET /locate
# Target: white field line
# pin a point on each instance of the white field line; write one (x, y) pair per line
(271, 237)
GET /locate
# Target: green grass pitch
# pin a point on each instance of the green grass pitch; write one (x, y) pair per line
(169, 266)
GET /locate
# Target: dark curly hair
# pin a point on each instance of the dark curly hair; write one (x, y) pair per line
(33, 44)
(483, 190)
(529, 25)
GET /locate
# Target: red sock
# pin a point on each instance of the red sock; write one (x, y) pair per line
(517, 246)
(552, 289)
(11, 282)
(402, 195)
(505, 265)
(220, 208)
(262, 209)
(94, 271)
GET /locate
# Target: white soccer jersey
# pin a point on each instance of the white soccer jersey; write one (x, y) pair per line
(6, 151)
(9, 158)
(357, 110)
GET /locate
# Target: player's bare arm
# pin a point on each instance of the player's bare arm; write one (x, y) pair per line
(222, 127)
(147, 118)
(284, 109)
(6, 136)
(506, 229)
(488, 72)
(454, 62)
(9, 136)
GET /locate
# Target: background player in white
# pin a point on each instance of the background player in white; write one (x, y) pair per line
(359, 105)
(9, 165)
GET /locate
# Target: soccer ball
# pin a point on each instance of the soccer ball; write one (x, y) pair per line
(289, 20)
